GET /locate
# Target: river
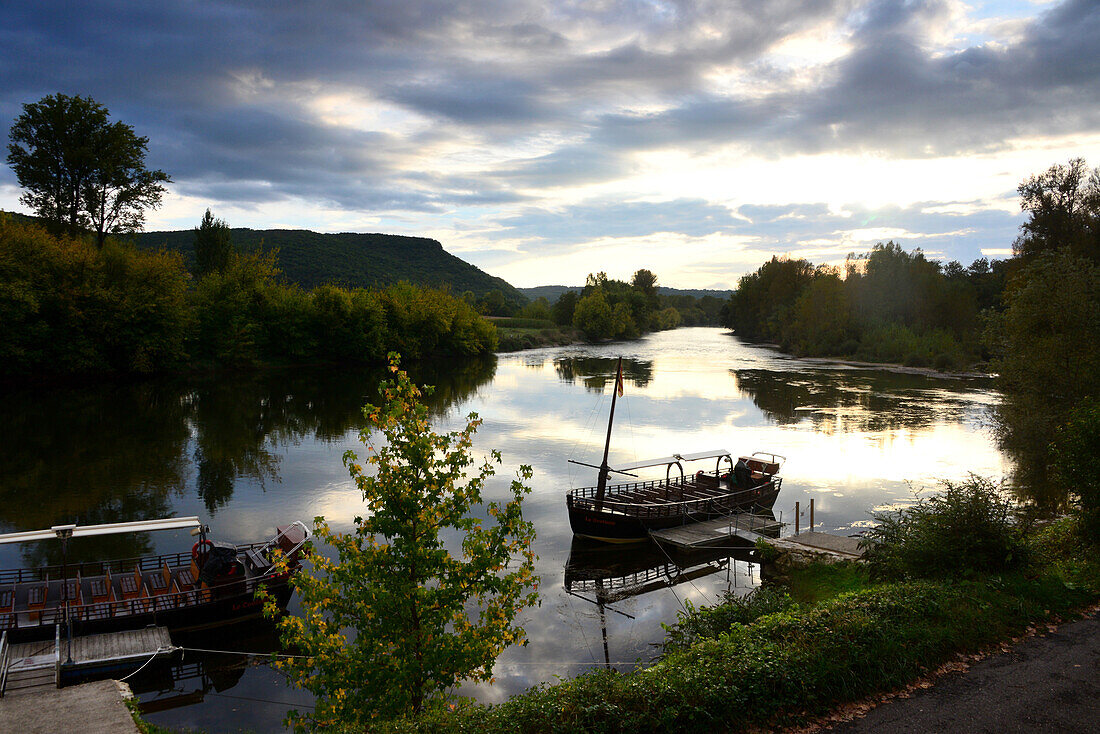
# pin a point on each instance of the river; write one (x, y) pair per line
(248, 452)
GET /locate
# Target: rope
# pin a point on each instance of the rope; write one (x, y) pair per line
(152, 657)
(242, 652)
(505, 664)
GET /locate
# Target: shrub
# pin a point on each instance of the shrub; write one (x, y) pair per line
(967, 528)
(698, 623)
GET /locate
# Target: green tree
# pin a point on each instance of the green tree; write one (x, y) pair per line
(423, 618)
(213, 245)
(1048, 361)
(646, 282)
(80, 170)
(1063, 206)
(1077, 462)
(562, 310)
(593, 316)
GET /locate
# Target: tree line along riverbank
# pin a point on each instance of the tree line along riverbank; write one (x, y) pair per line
(71, 308)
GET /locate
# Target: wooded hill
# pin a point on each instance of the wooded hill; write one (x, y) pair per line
(351, 260)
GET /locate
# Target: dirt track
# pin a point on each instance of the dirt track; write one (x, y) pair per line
(1048, 683)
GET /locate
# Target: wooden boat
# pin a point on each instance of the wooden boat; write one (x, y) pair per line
(213, 584)
(626, 512)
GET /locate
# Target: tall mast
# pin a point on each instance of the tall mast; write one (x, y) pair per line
(601, 484)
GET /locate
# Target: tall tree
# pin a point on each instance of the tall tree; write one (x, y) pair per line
(80, 170)
(424, 618)
(1063, 207)
(213, 245)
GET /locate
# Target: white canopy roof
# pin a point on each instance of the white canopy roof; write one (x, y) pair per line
(662, 461)
(75, 531)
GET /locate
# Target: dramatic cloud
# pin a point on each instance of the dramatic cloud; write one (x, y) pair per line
(701, 135)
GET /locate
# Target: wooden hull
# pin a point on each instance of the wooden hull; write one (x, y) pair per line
(612, 521)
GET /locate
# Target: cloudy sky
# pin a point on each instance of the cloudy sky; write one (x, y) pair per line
(545, 139)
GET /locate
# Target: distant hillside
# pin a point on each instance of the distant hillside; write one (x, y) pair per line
(552, 292)
(353, 260)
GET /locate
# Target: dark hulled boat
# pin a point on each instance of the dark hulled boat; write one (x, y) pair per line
(213, 584)
(627, 511)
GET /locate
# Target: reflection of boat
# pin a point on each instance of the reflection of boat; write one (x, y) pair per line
(213, 584)
(603, 574)
(611, 574)
(626, 512)
(203, 669)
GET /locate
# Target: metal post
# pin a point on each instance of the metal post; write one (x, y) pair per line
(811, 514)
(796, 527)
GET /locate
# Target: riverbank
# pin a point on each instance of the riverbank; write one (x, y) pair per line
(895, 367)
(786, 655)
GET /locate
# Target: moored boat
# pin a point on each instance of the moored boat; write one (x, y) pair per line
(213, 584)
(626, 512)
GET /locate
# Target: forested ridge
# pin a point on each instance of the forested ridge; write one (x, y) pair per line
(350, 259)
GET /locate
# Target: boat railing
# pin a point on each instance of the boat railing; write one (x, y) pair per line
(274, 542)
(651, 509)
(635, 578)
(145, 604)
(99, 568)
(5, 654)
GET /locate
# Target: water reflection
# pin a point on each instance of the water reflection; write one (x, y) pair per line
(118, 453)
(852, 400)
(595, 373)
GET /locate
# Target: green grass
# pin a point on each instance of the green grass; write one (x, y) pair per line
(819, 582)
(514, 339)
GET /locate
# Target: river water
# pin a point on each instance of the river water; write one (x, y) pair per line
(248, 452)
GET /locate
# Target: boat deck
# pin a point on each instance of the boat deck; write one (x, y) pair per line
(743, 525)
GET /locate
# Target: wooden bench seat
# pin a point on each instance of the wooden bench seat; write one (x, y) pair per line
(100, 589)
(130, 585)
(71, 591)
(257, 561)
(185, 579)
(36, 596)
(160, 581)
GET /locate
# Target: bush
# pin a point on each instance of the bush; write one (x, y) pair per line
(698, 623)
(966, 529)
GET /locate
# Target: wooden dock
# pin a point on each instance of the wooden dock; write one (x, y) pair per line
(835, 545)
(743, 526)
(33, 665)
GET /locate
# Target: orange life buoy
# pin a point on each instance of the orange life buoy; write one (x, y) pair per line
(206, 544)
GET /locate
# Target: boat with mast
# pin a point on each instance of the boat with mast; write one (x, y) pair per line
(213, 584)
(627, 511)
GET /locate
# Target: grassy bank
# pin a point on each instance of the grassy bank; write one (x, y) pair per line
(516, 334)
(834, 635)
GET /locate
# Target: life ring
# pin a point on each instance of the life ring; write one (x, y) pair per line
(205, 544)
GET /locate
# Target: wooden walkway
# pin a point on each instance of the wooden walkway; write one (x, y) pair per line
(34, 665)
(835, 544)
(744, 526)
